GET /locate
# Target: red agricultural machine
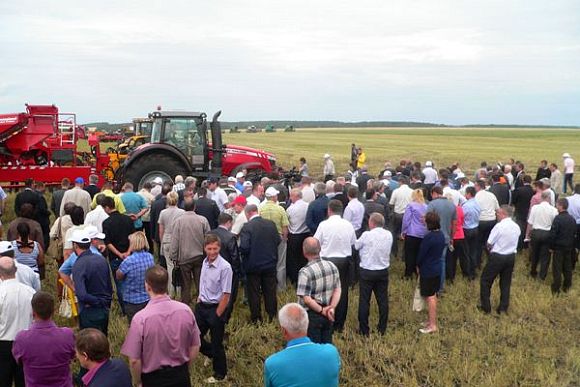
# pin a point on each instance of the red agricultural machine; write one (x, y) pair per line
(42, 144)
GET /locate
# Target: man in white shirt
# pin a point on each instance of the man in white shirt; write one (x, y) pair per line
(374, 247)
(297, 232)
(257, 194)
(217, 194)
(240, 219)
(308, 194)
(328, 171)
(355, 210)
(456, 197)
(430, 177)
(15, 316)
(400, 199)
(489, 205)
(24, 274)
(97, 216)
(569, 166)
(336, 237)
(540, 220)
(503, 244)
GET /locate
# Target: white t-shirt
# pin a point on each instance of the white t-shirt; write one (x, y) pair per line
(542, 216)
(401, 198)
(336, 237)
(488, 204)
(569, 165)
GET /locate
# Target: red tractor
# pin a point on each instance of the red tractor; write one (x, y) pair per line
(180, 146)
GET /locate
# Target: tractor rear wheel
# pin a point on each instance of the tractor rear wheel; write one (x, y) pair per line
(149, 167)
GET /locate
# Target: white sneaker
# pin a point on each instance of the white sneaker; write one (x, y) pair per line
(213, 380)
(206, 362)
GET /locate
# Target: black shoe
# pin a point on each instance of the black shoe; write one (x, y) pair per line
(480, 308)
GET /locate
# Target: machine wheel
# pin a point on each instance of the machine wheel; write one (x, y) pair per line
(149, 167)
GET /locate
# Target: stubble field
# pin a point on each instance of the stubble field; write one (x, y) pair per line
(536, 344)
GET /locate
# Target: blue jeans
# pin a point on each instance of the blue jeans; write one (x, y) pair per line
(443, 261)
(115, 263)
(95, 317)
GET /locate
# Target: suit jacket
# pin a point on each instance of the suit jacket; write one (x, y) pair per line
(370, 207)
(114, 373)
(501, 192)
(259, 240)
(26, 196)
(229, 249)
(209, 210)
(157, 206)
(92, 190)
(521, 201)
(316, 213)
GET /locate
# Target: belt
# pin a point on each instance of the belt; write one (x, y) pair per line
(504, 255)
(207, 305)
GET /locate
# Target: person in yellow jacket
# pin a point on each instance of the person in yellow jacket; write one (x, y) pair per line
(107, 190)
(362, 158)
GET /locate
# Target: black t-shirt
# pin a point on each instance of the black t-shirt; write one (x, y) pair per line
(117, 228)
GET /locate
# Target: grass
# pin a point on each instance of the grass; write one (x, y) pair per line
(535, 345)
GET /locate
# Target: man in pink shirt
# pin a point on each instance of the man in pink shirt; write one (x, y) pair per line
(163, 337)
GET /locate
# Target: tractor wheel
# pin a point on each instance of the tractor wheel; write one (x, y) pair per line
(151, 166)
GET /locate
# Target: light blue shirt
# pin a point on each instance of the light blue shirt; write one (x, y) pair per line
(471, 211)
(303, 363)
(134, 203)
(66, 267)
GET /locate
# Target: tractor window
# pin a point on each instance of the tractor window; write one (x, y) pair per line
(187, 135)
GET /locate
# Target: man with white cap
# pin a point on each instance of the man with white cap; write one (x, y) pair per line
(389, 182)
(232, 184)
(24, 274)
(430, 177)
(65, 270)
(240, 180)
(156, 186)
(272, 211)
(328, 171)
(569, 165)
(92, 281)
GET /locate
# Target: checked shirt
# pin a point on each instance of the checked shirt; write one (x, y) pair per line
(318, 279)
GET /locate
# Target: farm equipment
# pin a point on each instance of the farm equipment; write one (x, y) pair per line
(253, 129)
(42, 144)
(289, 128)
(270, 129)
(180, 146)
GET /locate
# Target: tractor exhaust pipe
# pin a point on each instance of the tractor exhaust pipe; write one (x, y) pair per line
(217, 146)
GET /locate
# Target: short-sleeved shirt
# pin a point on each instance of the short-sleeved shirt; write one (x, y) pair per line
(134, 203)
(317, 279)
(276, 214)
(66, 267)
(215, 280)
(134, 268)
(161, 334)
(67, 243)
(117, 229)
(447, 214)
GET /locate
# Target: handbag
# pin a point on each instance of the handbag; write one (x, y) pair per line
(418, 301)
(176, 279)
(68, 304)
(56, 248)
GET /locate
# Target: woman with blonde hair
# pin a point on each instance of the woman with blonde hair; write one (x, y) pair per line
(132, 273)
(167, 218)
(413, 230)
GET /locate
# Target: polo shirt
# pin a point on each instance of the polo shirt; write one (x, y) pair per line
(317, 279)
(272, 211)
(488, 204)
(542, 216)
(303, 363)
(375, 249)
(117, 229)
(401, 198)
(161, 334)
(133, 268)
(92, 278)
(354, 213)
(504, 237)
(15, 308)
(297, 217)
(336, 237)
(215, 280)
(471, 212)
(49, 366)
(134, 203)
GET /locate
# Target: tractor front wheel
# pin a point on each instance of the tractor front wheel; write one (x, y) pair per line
(149, 167)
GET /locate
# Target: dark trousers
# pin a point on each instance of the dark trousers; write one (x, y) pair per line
(396, 230)
(162, 261)
(147, 231)
(167, 377)
(10, 371)
(294, 257)
(115, 263)
(190, 271)
(471, 247)
(328, 177)
(94, 317)
(264, 283)
(377, 282)
(502, 266)
(562, 266)
(132, 309)
(412, 245)
(523, 223)
(539, 251)
(485, 227)
(459, 254)
(207, 320)
(319, 328)
(343, 266)
(568, 180)
(233, 296)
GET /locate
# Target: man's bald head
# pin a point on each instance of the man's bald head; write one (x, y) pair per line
(7, 268)
(311, 248)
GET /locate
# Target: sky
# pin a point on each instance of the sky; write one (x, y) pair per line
(444, 61)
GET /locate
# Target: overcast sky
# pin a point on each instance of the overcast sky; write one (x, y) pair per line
(444, 61)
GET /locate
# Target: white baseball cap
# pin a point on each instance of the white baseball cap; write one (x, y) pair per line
(248, 184)
(239, 175)
(387, 173)
(157, 180)
(326, 156)
(232, 179)
(271, 191)
(5, 247)
(566, 155)
(429, 164)
(94, 233)
(80, 236)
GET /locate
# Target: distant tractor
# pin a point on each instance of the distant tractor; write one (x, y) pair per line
(235, 129)
(270, 129)
(289, 128)
(253, 129)
(180, 146)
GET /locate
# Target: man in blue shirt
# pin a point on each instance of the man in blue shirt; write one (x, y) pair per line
(65, 269)
(471, 211)
(135, 204)
(92, 284)
(318, 364)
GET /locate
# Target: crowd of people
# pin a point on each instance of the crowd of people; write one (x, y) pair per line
(176, 255)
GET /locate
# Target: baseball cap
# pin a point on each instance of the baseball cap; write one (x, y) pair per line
(428, 163)
(326, 156)
(271, 191)
(94, 233)
(240, 200)
(239, 175)
(157, 180)
(248, 184)
(232, 179)
(80, 180)
(387, 173)
(5, 247)
(565, 155)
(80, 236)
